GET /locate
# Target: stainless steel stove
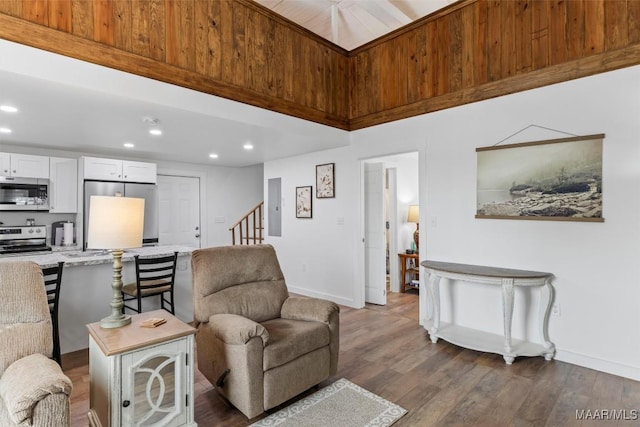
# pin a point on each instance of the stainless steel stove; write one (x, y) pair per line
(23, 239)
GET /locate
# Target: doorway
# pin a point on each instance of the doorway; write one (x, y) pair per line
(390, 185)
(179, 210)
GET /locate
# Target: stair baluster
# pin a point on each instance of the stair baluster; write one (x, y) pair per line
(249, 227)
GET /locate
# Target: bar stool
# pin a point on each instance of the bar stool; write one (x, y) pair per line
(154, 276)
(52, 281)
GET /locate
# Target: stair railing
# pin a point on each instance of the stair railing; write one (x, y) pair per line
(249, 227)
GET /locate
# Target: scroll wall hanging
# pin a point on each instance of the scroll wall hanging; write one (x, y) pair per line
(557, 179)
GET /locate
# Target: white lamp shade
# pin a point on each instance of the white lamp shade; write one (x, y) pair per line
(414, 214)
(115, 222)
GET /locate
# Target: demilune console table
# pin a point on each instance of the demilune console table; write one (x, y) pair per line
(474, 339)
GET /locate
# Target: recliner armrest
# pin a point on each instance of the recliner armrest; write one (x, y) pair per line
(311, 309)
(235, 329)
(29, 380)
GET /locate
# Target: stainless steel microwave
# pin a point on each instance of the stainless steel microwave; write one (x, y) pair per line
(24, 194)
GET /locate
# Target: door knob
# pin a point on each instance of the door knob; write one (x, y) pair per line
(197, 235)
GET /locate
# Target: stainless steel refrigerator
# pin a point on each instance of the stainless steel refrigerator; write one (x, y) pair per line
(148, 192)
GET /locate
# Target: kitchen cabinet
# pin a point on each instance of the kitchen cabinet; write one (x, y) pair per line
(5, 164)
(139, 171)
(24, 165)
(140, 375)
(99, 168)
(119, 170)
(63, 185)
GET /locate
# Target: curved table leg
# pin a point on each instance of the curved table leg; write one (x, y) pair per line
(507, 307)
(434, 285)
(548, 345)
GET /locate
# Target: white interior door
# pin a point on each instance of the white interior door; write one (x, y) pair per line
(375, 234)
(179, 216)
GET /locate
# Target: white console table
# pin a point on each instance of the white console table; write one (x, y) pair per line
(483, 341)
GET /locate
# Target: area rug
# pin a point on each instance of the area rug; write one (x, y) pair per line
(340, 404)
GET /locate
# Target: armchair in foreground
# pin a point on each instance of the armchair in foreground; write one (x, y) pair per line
(33, 389)
(258, 345)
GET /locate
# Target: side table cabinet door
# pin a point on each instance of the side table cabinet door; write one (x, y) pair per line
(154, 385)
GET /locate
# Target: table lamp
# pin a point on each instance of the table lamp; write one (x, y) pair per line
(414, 216)
(115, 223)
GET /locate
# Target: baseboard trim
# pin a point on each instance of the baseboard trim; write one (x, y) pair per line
(338, 300)
(601, 365)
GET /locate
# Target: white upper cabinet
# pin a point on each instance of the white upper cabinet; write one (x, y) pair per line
(98, 168)
(119, 170)
(139, 171)
(63, 185)
(24, 165)
(5, 164)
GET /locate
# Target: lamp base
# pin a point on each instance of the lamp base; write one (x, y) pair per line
(117, 319)
(416, 237)
(115, 322)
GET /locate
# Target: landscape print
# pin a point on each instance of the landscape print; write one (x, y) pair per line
(557, 179)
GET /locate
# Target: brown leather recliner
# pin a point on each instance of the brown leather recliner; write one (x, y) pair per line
(33, 389)
(258, 345)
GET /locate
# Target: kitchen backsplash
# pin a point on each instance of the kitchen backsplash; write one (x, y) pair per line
(41, 218)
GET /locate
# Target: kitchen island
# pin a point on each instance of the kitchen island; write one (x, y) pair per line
(85, 292)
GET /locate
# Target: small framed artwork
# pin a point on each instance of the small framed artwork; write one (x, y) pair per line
(303, 202)
(325, 181)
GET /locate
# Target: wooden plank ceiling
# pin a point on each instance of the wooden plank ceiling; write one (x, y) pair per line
(353, 23)
(470, 51)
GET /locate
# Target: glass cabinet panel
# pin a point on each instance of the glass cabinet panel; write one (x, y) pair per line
(153, 391)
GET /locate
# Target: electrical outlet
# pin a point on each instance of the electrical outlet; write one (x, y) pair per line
(555, 309)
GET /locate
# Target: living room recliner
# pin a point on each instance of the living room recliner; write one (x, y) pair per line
(258, 345)
(33, 389)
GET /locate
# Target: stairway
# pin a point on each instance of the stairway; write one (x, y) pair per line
(249, 229)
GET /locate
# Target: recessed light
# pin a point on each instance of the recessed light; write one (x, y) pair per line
(213, 155)
(128, 145)
(248, 146)
(155, 132)
(8, 109)
(5, 130)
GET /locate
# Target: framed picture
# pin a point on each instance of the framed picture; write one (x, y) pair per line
(558, 179)
(303, 202)
(325, 181)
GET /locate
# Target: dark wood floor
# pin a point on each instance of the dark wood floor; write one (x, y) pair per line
(383, 349)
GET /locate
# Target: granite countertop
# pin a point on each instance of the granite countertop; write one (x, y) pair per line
(93, 257)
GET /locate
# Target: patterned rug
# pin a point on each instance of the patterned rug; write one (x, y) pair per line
(340, 404)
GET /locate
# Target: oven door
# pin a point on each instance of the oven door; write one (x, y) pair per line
(24, 246)
(24, 194)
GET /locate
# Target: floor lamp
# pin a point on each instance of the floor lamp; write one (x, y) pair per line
(115, 223)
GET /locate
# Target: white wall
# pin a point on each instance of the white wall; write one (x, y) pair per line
(232, 193)
(316, 254)
(595, 264)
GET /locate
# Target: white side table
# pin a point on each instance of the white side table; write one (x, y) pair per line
(507, 279)
(142, 376)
